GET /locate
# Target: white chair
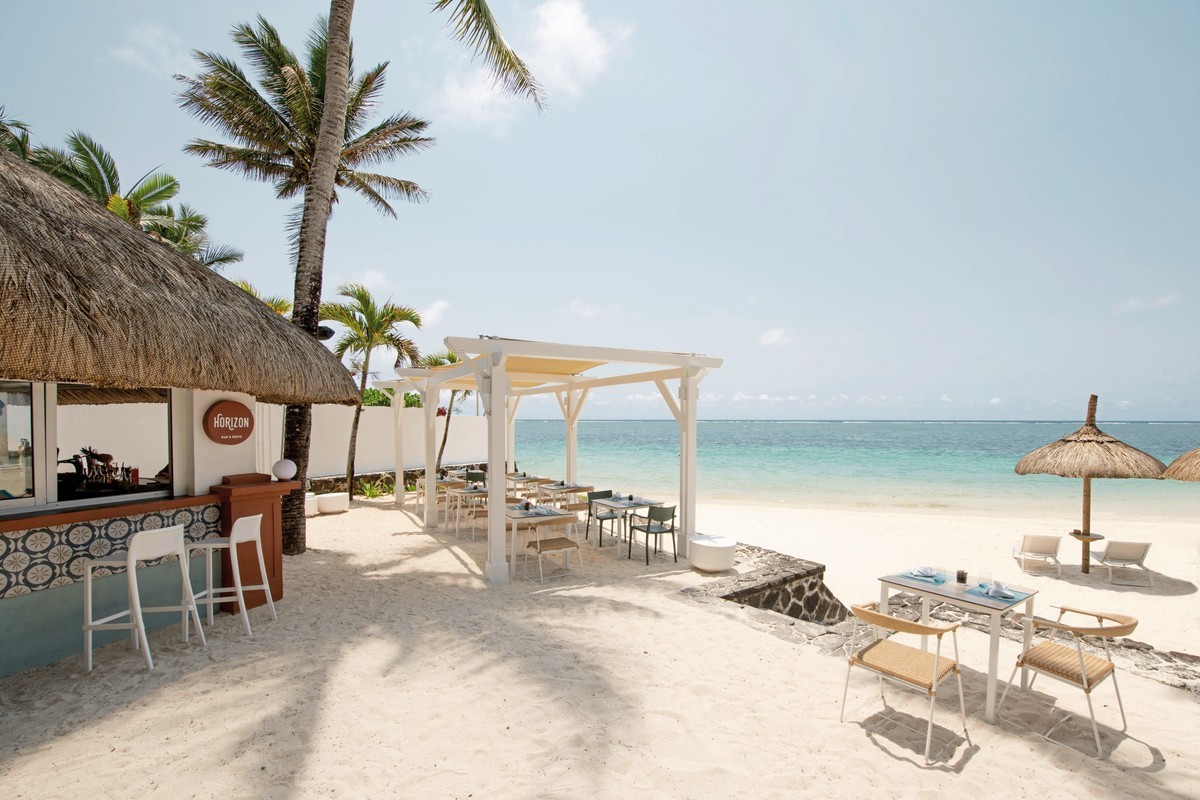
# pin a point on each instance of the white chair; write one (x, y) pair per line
(1044, 548)
(143, 546)
(1124, 554)
(904, 664)
(245, 530)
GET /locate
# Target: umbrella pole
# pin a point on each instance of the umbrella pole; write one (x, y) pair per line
(1086, 566)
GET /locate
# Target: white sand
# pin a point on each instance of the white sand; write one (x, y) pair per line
(395, 671)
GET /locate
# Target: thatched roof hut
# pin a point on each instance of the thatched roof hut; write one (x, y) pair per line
(1090, 453)
(85, 297)
(1185, 468)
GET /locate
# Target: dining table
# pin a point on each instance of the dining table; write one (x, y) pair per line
(624, 504)
(440, 486)
(456, 496)
(561, 489)
(517, 513)
(972, 596)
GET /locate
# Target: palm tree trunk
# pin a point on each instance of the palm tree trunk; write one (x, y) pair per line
(362, 390)
(445, 430)
(310, 260)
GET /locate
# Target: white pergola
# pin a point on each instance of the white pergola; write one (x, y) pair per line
(504, 371)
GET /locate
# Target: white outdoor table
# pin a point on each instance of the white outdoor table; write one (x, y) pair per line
(956, 594)
(561, 489)
(458, 494)
(440, 485)
(624, 506)
(517, 513)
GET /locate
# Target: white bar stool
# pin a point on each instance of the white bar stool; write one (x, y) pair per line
(245, 529)
(143, 546)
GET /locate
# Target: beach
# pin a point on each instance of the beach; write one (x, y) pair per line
(395, 670)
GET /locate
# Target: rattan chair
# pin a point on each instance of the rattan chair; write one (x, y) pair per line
(1070, 664)
(901, 663)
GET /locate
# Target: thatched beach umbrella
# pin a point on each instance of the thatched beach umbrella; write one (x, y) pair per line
(1089, 453)
(85, 297)
(1185, 468)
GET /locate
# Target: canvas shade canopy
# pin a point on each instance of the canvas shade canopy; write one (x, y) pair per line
(1185, 468)
(1089, 453)
(87, 298)
(504, 371)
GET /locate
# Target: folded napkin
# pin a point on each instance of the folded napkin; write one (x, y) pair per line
(542, 511)
(923, 572)
(997, 589)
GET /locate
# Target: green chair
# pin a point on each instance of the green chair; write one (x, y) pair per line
(474, 476)
(659, 520)
(601, 517)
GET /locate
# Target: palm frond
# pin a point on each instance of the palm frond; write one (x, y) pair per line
(154, 190)
(474, 26)
(397, 135)
(301, 101)
(376, 189)
(266, 53)
(364, 97)
(218, 256)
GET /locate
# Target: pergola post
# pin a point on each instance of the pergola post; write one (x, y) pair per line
(510, 433)
(429, 397)
(571, 402)
(689, 394)
(398, 443)
(494, 388)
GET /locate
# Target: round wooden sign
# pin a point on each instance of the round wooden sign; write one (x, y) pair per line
(228, 422)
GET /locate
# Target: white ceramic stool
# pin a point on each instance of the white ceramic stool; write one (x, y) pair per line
(711, 553)
(143, 546)
(245, 529)
(333, 503)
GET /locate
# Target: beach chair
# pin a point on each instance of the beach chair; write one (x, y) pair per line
(904, 664)
(1124, 554)
(1070, 664)
(1044, 548)
(659, 521)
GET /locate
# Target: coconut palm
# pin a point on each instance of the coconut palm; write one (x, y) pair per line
(274, 125)
(185, 230)
(456, 396)
(14, 136)
(87, 167)
(473, 24)
(280, 305)
(369, 324)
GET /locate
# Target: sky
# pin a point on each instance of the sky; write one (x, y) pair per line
(920, 210)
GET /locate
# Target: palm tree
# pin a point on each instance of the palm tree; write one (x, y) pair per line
(185, 230)
(456, 396)
(369, 325)
(274, 126)
(86, 166)
(304, 129)
(14, 136)
(280, 305)
(90, 169)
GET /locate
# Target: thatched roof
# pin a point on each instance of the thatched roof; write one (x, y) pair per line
(85, 297)
(74, 394)
(1090, 453)
(1185, 468)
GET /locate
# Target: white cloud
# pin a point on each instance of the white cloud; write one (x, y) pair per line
(373, 279)
(433, 315)
(741, 397)
(946, 398)
(1133, 305)
(568, 53)
(582, 309)
(995, 401)
(774, 337)
(154, 49)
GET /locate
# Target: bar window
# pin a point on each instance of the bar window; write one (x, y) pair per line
(112, 442)
(16, 441)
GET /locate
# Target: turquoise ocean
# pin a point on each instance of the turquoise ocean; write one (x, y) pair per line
(949, 467)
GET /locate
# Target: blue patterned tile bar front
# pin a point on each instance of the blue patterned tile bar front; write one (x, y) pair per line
(45, 557)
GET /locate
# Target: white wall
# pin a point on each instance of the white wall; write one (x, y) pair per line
(376, 449)
(212, 461)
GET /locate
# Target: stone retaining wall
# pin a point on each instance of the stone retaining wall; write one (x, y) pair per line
(784, 584)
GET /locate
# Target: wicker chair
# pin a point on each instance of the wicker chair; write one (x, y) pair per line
(901, 663)
(1070, 664)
